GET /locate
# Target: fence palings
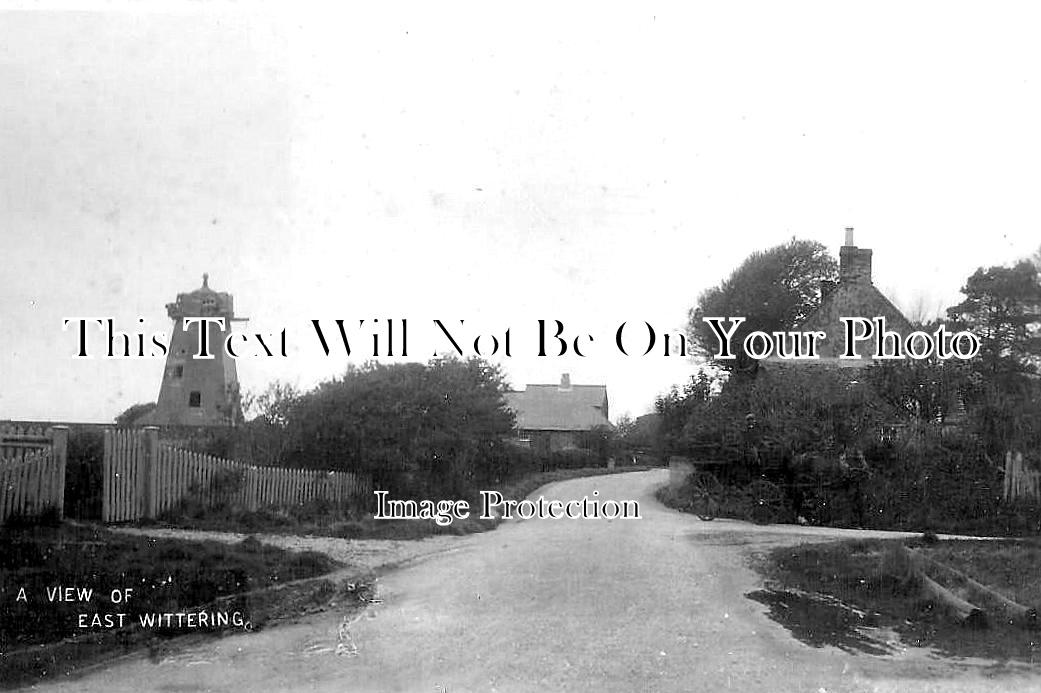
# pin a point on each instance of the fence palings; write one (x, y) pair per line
(1021, 482)
(144, 477)
(33, 480)
(32, 469)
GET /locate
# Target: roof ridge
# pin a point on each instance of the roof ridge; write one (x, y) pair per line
(557, 385)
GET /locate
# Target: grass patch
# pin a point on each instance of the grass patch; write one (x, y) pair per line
(166, 576)
(865, 587)
(323, 519)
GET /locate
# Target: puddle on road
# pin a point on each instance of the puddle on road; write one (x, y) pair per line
(818, 621)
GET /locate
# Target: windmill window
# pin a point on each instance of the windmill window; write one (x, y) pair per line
(178, 371)
(194, 398)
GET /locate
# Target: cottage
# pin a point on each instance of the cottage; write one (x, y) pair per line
(853, 296)
(554, 417)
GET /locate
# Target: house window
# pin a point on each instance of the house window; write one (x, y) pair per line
(194, 398)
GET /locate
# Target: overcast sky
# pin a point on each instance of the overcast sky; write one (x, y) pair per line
(492, 165)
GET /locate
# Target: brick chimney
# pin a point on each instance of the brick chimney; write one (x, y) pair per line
(854, 262)
(565, 381)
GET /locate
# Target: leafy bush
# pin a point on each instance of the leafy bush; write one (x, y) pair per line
(416, 429)
(572, 458)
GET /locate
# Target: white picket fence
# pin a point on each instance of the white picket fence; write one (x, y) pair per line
(145, 478)
(32, 469)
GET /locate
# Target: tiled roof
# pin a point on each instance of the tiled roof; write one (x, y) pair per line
(551, 408)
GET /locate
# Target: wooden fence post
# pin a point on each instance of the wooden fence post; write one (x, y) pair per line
(148, 469)
(60, 451)
(253, 490)
(106, 473)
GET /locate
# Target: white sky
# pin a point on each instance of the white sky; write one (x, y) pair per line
(496, 165)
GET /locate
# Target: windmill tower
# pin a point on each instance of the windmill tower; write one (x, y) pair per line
(195, 391)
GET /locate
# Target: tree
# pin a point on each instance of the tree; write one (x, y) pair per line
(775, 289)
(678, 410)
(625, 427)
(415, 428)
(132, 413)
(264, 437)
(1002, 307)
(639, 436)
(273, 405)
(817, 411)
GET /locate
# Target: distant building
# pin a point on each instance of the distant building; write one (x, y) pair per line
(854, 295)
(554, 417)
(197, 392)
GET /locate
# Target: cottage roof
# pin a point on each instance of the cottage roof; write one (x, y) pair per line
(854, 296)
(852, 301)
(559, 407)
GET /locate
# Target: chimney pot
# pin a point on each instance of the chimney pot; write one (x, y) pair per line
(849, 236)
(565, 381)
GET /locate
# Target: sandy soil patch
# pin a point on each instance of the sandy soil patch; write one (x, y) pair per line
(364, 554)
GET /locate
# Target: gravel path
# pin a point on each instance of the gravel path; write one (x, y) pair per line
(367, 554)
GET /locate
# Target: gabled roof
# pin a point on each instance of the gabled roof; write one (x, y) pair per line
(854, 296)
(852, 300)
(553, 408)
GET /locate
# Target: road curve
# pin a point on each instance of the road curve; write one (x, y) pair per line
(655, 604)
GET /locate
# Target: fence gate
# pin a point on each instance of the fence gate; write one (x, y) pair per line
(126, 470)
(32, 470)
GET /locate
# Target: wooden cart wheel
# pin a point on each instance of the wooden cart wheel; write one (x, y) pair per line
(706, 495)
(766, 501)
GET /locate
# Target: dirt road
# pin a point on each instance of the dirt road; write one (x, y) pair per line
(655, 604)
